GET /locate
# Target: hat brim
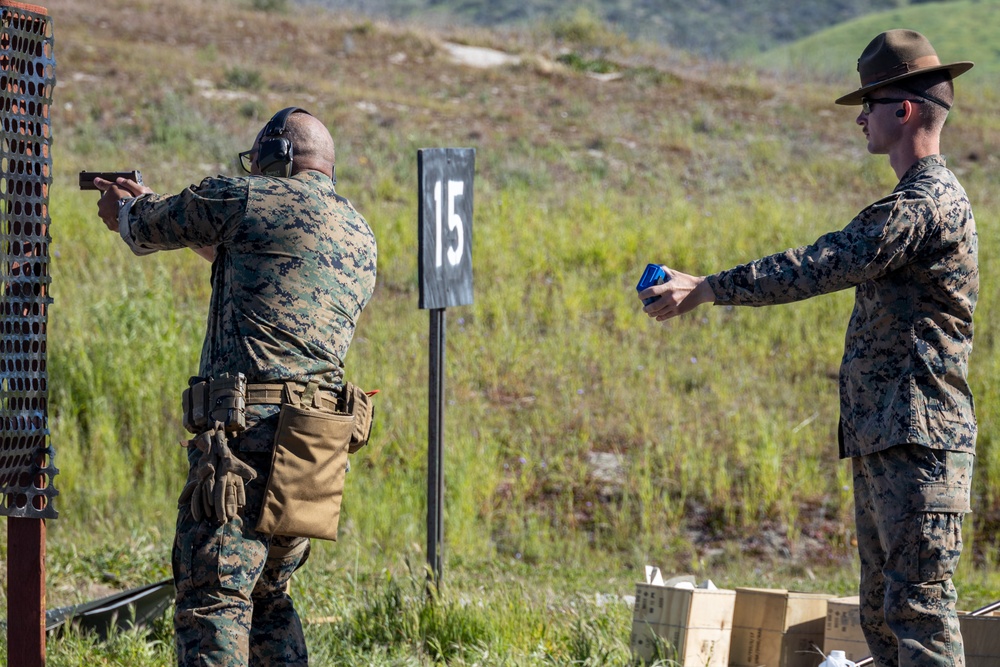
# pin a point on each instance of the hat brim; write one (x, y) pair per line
(955, 69)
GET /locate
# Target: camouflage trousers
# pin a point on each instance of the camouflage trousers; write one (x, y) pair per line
(909, 505)
(232, 605)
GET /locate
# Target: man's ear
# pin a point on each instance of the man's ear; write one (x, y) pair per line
(906, 111)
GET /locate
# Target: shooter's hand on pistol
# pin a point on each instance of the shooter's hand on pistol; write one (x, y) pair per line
(112, 193)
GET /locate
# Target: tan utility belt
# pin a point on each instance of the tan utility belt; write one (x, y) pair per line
(224, 399)
(274, 394)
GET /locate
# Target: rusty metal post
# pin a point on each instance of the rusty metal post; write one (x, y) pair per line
(26, 584)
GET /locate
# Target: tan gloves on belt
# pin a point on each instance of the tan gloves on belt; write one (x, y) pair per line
(215, 486)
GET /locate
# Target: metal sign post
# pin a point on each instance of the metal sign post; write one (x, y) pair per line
(444, 178)
(27, 76)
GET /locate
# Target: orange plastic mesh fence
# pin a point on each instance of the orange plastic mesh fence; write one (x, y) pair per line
(27, 76)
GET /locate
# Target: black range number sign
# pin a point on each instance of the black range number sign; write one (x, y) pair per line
(445, 226)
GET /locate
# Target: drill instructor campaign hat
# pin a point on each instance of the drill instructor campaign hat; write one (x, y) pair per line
(896, 55)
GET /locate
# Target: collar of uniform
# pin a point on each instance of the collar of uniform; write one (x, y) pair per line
(919, 166)
(311, 174)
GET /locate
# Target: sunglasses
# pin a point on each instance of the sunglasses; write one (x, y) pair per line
(246, 159)
(867, 102)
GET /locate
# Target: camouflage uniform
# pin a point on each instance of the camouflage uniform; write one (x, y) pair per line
(907, 416)
(294, 267)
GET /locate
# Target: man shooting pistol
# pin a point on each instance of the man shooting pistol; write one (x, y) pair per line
(294, 266)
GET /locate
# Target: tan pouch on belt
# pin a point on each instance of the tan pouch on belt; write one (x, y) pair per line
(306, 484)
(359, 404)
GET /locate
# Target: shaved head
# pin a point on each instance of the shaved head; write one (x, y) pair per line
(312, 144)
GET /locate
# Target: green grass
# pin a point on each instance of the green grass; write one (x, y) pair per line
(385, 620)
(959, 30)
(723, 422)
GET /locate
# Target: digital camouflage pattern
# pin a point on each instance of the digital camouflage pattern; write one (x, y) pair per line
(907, 417)
(909, 505)
(294, 267)
(912, 258)
(233, 606)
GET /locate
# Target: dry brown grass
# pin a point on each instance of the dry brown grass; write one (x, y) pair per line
(370, 79)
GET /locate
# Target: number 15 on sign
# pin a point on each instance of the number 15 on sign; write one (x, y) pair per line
(445, 227)
(455, 190)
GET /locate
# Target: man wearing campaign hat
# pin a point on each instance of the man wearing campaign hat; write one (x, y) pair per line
(907, 420)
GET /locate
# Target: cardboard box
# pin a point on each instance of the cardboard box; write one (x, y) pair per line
(777, 628)
(695, 623)
(843, 628)
(981, 635)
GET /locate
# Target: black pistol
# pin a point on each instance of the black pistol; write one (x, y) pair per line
(87, 177)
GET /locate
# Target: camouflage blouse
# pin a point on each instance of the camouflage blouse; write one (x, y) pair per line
(912, 259)
(294, 267)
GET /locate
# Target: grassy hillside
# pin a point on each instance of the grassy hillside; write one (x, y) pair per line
(721, 427)
(709, 28)
(960, 30)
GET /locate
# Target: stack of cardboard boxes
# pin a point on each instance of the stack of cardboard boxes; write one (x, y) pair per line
(753, 627)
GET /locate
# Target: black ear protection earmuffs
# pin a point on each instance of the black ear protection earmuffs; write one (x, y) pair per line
(274, 153)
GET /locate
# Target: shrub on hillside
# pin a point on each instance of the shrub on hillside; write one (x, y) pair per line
(583, 27)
